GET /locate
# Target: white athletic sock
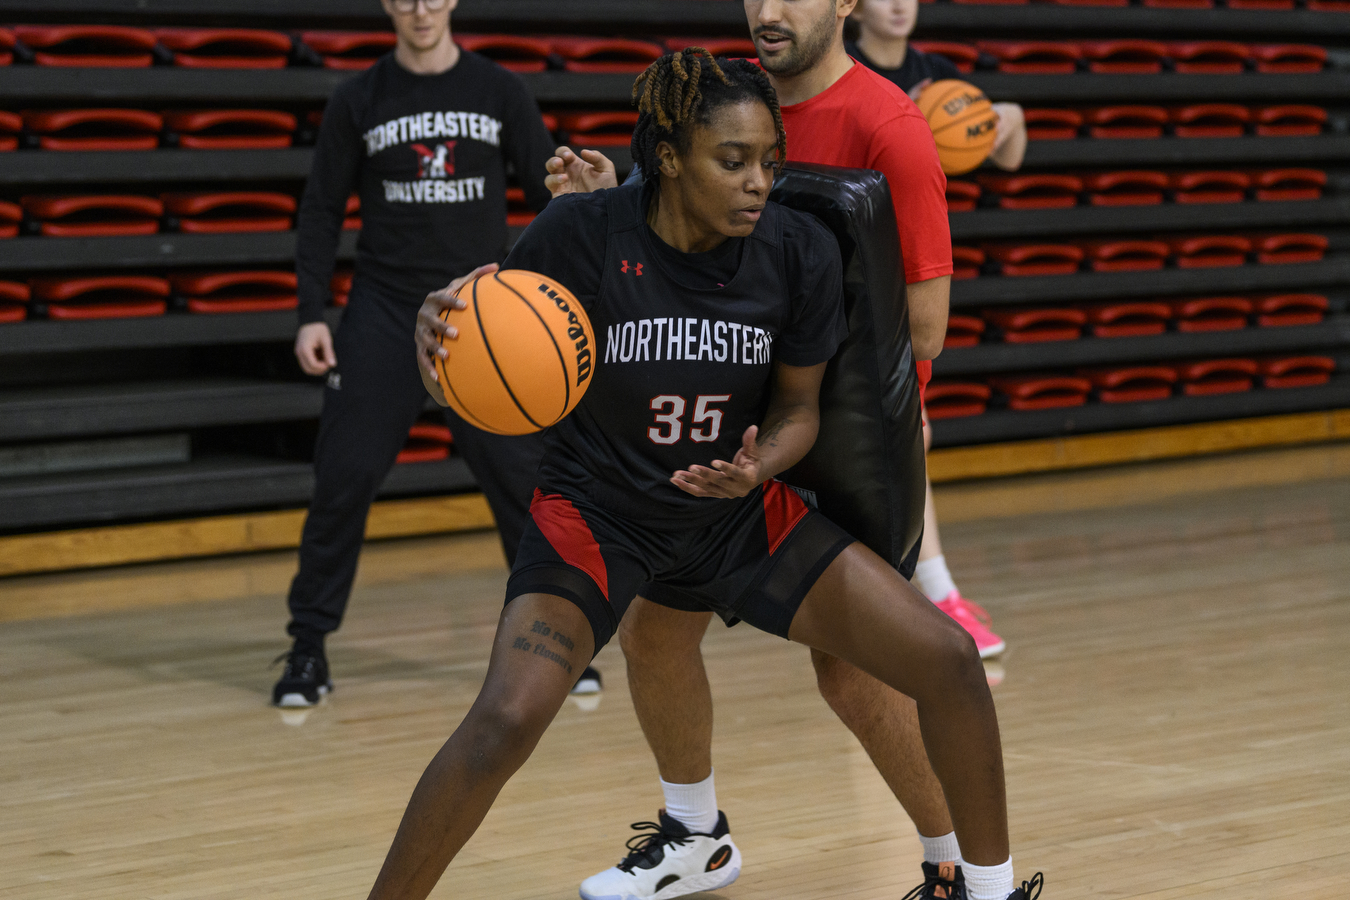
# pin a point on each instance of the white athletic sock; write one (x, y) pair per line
(941, 849)
(932, 577)
(693, 805)
(989, 882)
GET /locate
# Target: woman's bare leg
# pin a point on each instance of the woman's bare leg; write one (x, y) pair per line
(862, 611)
(543, 643)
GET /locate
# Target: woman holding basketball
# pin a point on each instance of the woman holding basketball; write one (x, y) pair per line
(715, 312)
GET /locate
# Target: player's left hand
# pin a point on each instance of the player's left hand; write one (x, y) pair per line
(726, 480)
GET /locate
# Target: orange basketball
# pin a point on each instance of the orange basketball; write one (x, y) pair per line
(523, 357)
(964, 123)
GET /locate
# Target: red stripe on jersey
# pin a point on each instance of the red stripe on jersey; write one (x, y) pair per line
(570, 536)
(783, 509)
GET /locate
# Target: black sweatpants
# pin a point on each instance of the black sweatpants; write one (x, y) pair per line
(373, 397)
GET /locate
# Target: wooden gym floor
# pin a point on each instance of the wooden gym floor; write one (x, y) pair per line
(1175, 707)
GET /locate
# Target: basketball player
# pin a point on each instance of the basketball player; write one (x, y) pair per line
(424, 136)
(839, 114)
(664, 472)
(884, 27)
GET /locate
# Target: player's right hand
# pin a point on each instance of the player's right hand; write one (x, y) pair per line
(314, 348)
(431, 327)
(569, 173)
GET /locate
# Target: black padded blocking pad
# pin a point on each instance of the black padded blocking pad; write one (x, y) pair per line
(867, 465)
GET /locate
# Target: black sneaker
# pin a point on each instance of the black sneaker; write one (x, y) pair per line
(588, 683)
(304, 680)
(1025, 891)
(939, 883)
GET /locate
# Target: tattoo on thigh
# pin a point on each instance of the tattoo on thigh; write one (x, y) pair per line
(540, 647)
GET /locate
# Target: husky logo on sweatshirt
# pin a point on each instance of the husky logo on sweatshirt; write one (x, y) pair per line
(437, 161)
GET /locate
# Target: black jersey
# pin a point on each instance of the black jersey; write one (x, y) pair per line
(916, 67)
(427, 155)
(681, 370)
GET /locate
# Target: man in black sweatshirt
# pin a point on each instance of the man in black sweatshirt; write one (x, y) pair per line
(424, 137)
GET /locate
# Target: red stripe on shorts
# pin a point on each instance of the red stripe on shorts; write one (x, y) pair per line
(783, 509)
(570, 536)
(923, 368)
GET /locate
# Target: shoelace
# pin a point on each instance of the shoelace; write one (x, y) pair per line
(640, 846)
(929, 889)
(291, 669)
(1036, 883)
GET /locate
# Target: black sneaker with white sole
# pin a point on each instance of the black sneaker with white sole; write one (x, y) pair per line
(1025, 891)
(588, 683)
(305, 679)
(940, 882)
(668, 861)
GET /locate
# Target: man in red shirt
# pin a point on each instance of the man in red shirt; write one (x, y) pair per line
(836, 112)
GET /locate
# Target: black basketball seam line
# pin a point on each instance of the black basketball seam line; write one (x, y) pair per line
(562, 361)
(492, 357)
(468, 414)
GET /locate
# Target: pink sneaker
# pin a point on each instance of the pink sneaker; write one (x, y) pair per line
(973, 618)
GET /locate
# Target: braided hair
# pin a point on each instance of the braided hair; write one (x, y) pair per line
(686, 88)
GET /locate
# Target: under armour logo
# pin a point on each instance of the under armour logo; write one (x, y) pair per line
(335, 381)
(636, 267)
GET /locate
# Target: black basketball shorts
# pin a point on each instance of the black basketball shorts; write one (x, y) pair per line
(756, 563)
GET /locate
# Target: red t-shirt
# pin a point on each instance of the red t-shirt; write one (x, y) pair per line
(863, 121)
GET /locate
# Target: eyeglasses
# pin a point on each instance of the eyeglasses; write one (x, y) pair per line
(408, 6)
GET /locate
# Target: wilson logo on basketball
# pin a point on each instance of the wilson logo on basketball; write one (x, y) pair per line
(574, 331)
(635, 267)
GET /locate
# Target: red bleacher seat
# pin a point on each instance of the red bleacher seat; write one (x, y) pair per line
(600, 129)
(1210, 120)
(427, 442)
(1341, 6)
(232, 129)
(1279, 310)
(733, 48)
(1289, 58)
(1210, 187)
(1131, 384)
(11, 216)
(1206, 251)
(1138, 255)
(1290, 120)
(236, 292)
(1289, 184)
(95, 129)
(1091, 2)
(350, 50)
(10, 126)
(514, 52)
(1034, 57)
(966, 262)
(1035, 259)
(518, 213)
(1209, 57)
(226, 48)
(955, 399)
(352, 214)
(605, 54)
(341, 286)
(962, 196)
(1259, 4)
(102, 297)
(963, 331)
(231, 211)
(1125, 57)
(95, 215)
(1128, 319)
(84, 46)
(1216, 376)
(1211, 313)
(992, 2)
(1126, 121)
(1289, 248)
(1035, 326)
(1129, 188)
(13, 301)
(6, 46)
(1033, 191)
(1031, 392)
(1296, 371)
(963, 56)
(1052, 124)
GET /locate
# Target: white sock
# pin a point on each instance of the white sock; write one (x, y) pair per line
(989, 882)
(693, 805)
(941, 849)
(932, 577)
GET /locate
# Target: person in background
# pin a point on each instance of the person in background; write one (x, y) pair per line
(884, 27)
(424, 137)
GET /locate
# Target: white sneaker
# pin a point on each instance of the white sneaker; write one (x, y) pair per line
(668, 861)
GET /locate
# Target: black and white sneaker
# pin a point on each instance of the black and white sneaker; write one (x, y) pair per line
(1025, 891)
(668, 861)
(305, 679)
(588, 683)
(940, 882)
